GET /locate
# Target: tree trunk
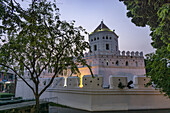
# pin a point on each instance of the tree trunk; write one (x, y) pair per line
(37, 103)
(37, 99)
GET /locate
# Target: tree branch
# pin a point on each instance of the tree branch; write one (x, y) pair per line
(51, 81)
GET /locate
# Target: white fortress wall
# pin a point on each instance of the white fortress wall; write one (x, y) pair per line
(22, 90)
(94, 97)
(127, 64)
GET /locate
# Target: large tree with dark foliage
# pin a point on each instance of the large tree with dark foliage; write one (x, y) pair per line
(155, 14)
(34, 39)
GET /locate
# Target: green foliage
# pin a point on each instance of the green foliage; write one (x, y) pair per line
(158, 69)
(35, 39)
(154, 13)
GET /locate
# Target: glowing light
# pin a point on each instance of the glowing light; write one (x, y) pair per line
(65, 81)
(81, 81)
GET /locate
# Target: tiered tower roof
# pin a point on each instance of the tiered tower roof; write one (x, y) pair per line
(103, 27)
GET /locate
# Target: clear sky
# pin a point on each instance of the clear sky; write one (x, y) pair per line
(89, 13)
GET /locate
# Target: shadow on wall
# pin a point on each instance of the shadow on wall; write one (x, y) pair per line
(55, 109)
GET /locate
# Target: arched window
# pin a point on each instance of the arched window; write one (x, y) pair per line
(110, 38)
(91, 40)
(94, 38)
(106, 37)
(126, 63)
(97, 38)
(103, 37)
(117, 62)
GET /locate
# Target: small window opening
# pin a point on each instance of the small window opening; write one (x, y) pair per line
(97, 38)
(106, 37)
(91, 40)
(94, 39)
(107, 46)
(95, 47)
(126, 63)
(117, 63)
(110, 38)
(103, 37)
(107, 63)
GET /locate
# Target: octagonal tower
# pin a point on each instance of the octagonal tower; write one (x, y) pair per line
(103, 40)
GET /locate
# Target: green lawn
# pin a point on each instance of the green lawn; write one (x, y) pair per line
(6, 95)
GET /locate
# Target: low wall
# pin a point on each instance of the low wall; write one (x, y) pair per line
(96, 98)
(107, 99)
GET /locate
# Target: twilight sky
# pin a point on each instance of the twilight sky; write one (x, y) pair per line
(89, 13)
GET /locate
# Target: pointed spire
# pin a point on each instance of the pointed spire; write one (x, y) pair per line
(102, 27)
(101, 24)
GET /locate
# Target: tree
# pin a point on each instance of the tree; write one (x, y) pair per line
(34, 39)
(154, 13)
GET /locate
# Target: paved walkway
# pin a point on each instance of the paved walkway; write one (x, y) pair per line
(19, 105)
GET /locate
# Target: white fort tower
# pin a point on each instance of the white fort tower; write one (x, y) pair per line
(106, 60)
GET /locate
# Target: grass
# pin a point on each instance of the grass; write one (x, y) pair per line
(6, 95)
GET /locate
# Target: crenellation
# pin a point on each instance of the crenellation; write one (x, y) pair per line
(140, 82)
(117, 82)
(132, 53)
(96, 82)
(92, 83)
(127, 53)
(118, 54)
(141, 54)
(73, 82)
(58, 82)
(123, 53)
(136, 53)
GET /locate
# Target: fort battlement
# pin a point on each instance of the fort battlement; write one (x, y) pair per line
(119, 53)
(89, 82)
